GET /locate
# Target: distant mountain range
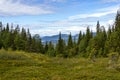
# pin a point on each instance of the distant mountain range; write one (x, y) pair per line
(54, 38)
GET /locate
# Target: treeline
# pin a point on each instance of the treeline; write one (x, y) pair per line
(19, 39)
(87, 45)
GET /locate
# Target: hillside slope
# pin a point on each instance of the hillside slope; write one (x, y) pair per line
(19, 65)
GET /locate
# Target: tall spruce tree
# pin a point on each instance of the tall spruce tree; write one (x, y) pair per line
(113, 42)
(60, 47)
(70, 42)
(6, 37)
(51, 50)
(46, 47)
(79, 37)
(97, 27)
(84, 42)
(97, 43)
(38, 44)
(1, 26)
(1, 35)
(29, 41)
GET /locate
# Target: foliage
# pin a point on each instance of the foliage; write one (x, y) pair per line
(17, 39)
(60, 46)
(51, 51)
(103, 43)
(113, 60)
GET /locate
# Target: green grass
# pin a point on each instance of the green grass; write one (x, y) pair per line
(19, 65)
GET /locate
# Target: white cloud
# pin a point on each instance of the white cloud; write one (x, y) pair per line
(55, 30)
(72, 25)
(99, 13)
(110, 22)
(109, 9)
(90, 15)
(79, 22)
(14, 8)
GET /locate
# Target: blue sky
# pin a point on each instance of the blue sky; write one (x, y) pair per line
(49, 17)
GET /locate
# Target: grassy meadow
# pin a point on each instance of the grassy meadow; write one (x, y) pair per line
(19, 65)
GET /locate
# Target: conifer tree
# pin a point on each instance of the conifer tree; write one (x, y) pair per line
(6, 37)
(60, 47)
(98, 27)
(79, 37)
(106, 47)
(29, 41)
(38, 44)
(7, 27)
(23, 38)
(1, 35)
(46, 47)
(18, 43)
(15, 34)
(113, 41)
(1, 26)
(70, 42)
(98, 42)
(117, 29)
(72, 48)
(51, 51)
(84, 42)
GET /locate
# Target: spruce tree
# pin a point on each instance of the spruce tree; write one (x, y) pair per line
(98, 42)
(85, 42)
(1, 26)
(79, 37)
(51, 51)
(29, 41)
(97, 27)
(70, 42)
(117, 29)
(1, 35)
(38, 44)
(23, 38)
(60, 47)
(46, 47)
(18, 43)
(113, 40)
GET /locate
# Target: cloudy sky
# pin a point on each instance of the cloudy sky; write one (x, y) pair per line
(49, 17)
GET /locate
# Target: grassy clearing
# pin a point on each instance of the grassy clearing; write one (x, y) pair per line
(30, 66)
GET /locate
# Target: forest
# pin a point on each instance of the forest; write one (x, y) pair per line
(87, 45)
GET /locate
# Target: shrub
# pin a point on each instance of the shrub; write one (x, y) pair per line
(10, 55)
(113, 59)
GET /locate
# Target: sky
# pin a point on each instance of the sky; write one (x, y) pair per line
(49, 17)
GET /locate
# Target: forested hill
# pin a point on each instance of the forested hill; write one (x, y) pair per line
(87, 44)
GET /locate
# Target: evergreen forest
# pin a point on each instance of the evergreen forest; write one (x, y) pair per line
(87, 45)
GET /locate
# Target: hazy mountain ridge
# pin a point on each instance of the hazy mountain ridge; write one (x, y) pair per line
(55, 38)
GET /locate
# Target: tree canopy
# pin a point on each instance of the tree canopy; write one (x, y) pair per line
(86, 45)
